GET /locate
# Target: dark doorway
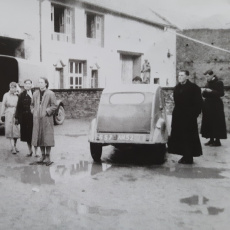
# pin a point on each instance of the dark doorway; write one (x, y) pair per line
(8, 73)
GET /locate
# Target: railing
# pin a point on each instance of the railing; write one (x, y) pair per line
(61, 37)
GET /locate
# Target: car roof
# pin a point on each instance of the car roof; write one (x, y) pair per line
(144, 88)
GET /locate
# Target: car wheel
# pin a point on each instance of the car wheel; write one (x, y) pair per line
(160, 153)
(96, 151)
(59, 117)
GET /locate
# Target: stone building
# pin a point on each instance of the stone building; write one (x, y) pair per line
(86, 43)
(198, 58)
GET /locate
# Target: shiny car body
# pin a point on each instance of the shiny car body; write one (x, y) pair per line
(130, 115)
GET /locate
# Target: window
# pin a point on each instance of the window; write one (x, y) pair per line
(95, 27)
(76, 74)
(62, 23)
(127, 98)
(156, 80)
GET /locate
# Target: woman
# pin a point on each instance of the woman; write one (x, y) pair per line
(43, 106)
(9, 104)
(24, 117)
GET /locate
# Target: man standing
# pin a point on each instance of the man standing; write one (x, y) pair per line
(184, 139)
(43, 106)
(213, 120)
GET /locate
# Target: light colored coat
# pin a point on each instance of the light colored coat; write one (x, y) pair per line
(43, 130)
(9, 104)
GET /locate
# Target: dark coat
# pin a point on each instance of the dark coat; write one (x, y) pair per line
(213, 120)
(184, 134)
(43, 130)
(24, 116)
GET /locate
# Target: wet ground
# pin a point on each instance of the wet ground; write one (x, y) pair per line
(126, 191)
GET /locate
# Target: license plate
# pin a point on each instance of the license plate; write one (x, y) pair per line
(116, 137)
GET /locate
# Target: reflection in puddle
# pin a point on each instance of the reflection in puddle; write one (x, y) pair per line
(40, 174)
(32, 174)
(194, 200)
(85, 209)
(214, 211)
(201, 201)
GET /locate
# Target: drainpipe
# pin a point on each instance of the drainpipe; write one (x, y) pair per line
(40, 28)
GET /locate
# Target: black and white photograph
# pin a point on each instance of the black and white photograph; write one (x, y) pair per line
(114, 114)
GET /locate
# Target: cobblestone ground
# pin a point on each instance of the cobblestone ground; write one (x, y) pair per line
(123, 192)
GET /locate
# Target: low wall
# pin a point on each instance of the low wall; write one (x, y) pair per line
(80, 103)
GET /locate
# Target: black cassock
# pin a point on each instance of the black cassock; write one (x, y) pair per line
(213, 120)
(184, 139)
(24, 116)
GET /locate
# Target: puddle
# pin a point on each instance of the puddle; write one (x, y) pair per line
(194, 200)
(214, 210)
(40, 174)
(201, 201)
(190, 172)
(85, 209)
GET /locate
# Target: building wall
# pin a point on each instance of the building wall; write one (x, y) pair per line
(198, 58)
(23, 22)
(20, 20)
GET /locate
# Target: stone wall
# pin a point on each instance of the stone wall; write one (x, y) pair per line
(79, 103)
(198, 58)
(83, 103)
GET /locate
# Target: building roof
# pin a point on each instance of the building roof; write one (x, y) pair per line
(135, 11)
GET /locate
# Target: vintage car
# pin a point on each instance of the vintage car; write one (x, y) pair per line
(130, 115)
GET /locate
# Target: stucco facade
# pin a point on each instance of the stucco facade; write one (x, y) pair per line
(84, 46)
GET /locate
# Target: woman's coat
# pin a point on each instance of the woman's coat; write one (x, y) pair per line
(9, 104)
(43, 125)
(24, 116)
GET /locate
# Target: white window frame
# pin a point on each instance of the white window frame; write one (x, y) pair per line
(76, 74)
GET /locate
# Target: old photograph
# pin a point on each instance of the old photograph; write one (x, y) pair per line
(114, 114)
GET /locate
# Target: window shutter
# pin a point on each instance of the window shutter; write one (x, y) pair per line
(52, 18)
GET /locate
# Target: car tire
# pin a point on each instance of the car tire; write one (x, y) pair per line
(96, 151)
(59, 117)
(160, 153)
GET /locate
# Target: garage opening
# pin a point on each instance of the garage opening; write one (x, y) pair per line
(12, 47)
(8, 73)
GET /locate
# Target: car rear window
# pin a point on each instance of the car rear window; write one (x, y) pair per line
(127, 98)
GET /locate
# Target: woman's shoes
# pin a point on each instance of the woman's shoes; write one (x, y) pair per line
(29, 155)
(13, 151)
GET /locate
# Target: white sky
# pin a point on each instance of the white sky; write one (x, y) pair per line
(213, 14)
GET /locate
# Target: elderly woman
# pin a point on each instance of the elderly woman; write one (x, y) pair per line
(24, 117)
(43, 106)
(9, 104)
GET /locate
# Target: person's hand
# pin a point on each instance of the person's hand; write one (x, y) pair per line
(16, 121)
(208, 90)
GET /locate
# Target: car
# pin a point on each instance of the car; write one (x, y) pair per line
(59, 115)
(130, 115)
